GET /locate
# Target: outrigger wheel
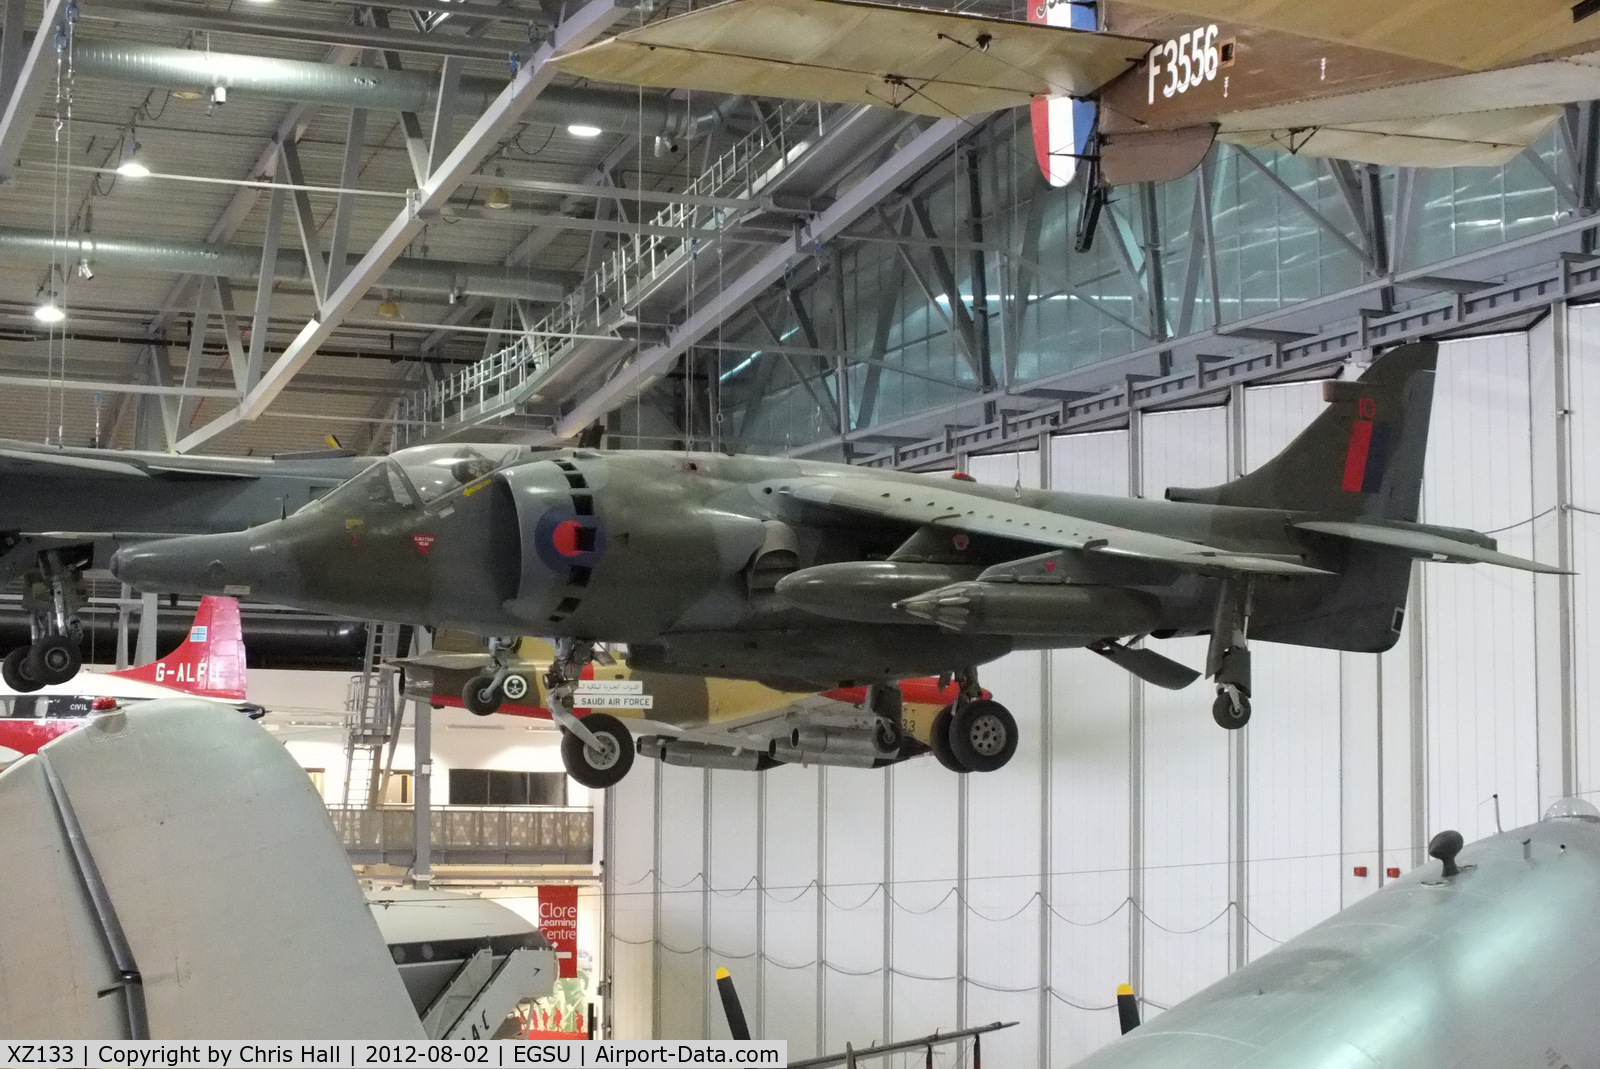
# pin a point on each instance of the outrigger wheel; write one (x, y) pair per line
(602, 766)
(481, 695)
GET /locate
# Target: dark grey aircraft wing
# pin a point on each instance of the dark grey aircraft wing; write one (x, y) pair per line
(1427, 545)
(895, 500)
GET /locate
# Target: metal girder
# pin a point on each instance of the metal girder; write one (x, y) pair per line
(349, 173)
(306, 220)
(648, 364)
(1328, 225)
(238, 362)
(579, 29)
(888, 301)
(167, 15)
(823, 399)
(40, 382)
(444, 113)
(410, 123)
(965, 330)
(263, 309)
(31, 79)
(13, 44)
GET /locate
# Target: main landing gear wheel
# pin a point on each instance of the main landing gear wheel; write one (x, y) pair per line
(599, 766)
(939, 740)
(1232, 707)
(983, 735)
(15, 672)
(481, 695)
(54, 659)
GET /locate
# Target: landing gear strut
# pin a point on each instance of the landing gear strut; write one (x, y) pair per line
(597, 749)
(52, 596)
(974, 733)
(485, 691)
(1228, 660)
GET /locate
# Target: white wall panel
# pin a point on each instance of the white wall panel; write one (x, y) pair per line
(630, 865)
(1584, 516)
(733, 907)
(1481, 688)
(683, 963)
(1185, 759)
(1004, 840)
(924, 860)
(1088, 780)
(1292, 743)
(789, 975)
(853, 905)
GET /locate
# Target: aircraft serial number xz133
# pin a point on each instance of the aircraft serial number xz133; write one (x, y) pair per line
(1189, 61)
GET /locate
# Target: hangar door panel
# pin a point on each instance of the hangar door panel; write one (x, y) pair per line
(789, 927)
(1584, 517)
(1086, 781)
(924, 857)
(1482, 726)
(1291, 746)
(1185, 767)
(733, 908)
(681, 989)
(854, 910)
(1004, 841)
(632, 880)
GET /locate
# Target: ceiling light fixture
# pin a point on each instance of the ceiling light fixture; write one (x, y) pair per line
(498, 199)
(388, 309)
(131, 166)
(583, 129)
(49, 311)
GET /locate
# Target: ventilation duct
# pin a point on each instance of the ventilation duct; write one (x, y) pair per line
(617, 111)
(244, 261)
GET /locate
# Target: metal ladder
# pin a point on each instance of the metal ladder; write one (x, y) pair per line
(372, 719)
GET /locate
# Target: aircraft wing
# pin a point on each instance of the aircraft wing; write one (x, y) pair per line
(1023, 523)
(1464, 34)
(934, 63)
(758, 729)
(1428, 545)
(445, 661)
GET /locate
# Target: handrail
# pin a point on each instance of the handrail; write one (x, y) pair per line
(603, 302)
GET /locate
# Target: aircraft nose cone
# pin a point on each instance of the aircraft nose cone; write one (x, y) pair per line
(198, 564)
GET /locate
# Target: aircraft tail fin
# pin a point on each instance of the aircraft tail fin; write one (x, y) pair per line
(209, 662)
(1361, 457)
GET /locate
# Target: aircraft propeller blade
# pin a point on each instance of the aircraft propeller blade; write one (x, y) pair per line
(1127, 1008)
(1148, 665)
(738, 1028)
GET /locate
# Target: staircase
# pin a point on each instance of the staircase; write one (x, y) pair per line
(372, 719)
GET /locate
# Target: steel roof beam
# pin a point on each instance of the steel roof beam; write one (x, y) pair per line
(168, 15)
(26, 92)
(579, 29)
(650, 363)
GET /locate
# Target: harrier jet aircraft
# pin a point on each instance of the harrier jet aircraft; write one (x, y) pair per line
(1421, 83)
(64, 510)
(809, 576)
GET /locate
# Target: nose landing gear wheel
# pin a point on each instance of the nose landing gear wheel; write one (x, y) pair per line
(480, 695)
(598, 767)
(54, 659)
(983, 735)
(1232, 707)
(939, 740)
(15, 672)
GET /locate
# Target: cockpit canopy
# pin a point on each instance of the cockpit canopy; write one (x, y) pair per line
(415, 477)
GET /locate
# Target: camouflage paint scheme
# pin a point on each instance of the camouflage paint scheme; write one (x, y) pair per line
(808, 576)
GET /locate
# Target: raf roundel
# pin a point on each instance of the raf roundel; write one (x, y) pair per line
(563, 539)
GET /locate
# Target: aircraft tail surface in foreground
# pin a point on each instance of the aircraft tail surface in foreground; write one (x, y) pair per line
(209, 662)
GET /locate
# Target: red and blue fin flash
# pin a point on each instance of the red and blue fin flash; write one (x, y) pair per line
(1367, 455)
(1061, 125)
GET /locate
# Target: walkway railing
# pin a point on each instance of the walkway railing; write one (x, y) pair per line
(641, 263)
(470, 835)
